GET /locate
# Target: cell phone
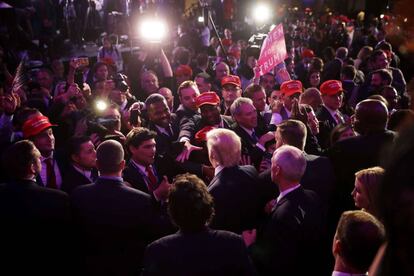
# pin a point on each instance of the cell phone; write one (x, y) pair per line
(82, 61)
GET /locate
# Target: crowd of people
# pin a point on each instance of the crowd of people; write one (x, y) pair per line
(179, 160)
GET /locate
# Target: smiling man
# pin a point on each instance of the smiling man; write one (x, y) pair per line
(141, 171)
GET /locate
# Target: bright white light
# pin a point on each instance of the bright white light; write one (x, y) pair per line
(405, 20)
(261, 13)
(153, 30)
(200, 19)
(101, 105)
(381, 16)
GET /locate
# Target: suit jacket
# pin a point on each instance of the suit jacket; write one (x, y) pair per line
(319, 177)
(73, 179)
(115, 223)
(34, 235)
(354, 154)
(133, 175)
(189, 127)
(326, 124)
(237, 199)
(208, 252)
(249, 146)
(168, 149)
(62, 164)
(289, 242)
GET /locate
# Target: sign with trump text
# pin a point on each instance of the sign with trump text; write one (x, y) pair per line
(273, 51)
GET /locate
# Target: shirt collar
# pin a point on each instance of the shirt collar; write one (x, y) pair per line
(140, 167)
(340, 273)
(285, 192)
(86, 173)
(162, 130)
(332, 112)
(42, 158)
(117, 178)
(218, 169)
(249, 131)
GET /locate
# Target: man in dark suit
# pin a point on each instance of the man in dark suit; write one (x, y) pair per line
(39, 130)
(360, 152)
(115, 222)
(35, 220)
(245, 115)
(166, 126)
(349, 85)
(187, 93)
(289, 243)
(328, 114)
(193, 131)
(234, 188)
(319, 174)
(332, 69)
(258, 96)
(141, 171)
(82, 169)
(195, 249)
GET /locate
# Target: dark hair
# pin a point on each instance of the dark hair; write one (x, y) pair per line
(74, 144)
(376, 54)
(384, 45)
(251, 89)
(97, 65)
(154, 98)
(189, 203)
(18, 157)
(293, 133)
(202, 59)
(349, 72)
(205, 76)
(137, 136)
(22, 115)
(361, 235)
(385, 75)
(337, 132)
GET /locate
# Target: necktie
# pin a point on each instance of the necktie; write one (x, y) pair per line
(338, 118)
(50, 174)
(254, 137)
(152, 180)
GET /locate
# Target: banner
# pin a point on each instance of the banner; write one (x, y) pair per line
(273, 51)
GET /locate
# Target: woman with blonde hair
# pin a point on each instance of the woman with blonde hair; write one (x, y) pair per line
(365, 193)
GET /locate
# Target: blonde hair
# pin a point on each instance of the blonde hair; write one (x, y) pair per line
(370, 179)
(224, 146)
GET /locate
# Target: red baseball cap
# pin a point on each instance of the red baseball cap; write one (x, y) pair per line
(308, 53)
(207, 98)
(36, 125)
(183, 70)
(331, 87)
(231, 79)
(288, 88)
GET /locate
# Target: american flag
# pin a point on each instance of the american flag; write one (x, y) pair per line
(20, 77)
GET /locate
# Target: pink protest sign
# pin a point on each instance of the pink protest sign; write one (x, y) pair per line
(273, 51)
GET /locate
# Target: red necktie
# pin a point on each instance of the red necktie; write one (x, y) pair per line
(50, 174)
(152, 180)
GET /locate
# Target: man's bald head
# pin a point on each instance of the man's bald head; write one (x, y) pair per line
(370, 116)
(110, 157)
